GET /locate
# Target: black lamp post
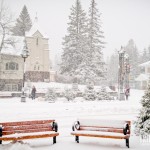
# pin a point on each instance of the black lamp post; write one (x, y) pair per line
(24, 55)
(121, 75)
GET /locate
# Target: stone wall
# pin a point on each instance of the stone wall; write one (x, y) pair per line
(36, 76)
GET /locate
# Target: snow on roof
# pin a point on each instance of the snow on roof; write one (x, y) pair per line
(145, 64)
(142, 77)
(16, 48)
(34, 29)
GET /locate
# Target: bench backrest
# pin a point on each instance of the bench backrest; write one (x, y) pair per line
(103, 125)
(27, 126)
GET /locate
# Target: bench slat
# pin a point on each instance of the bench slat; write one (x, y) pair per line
(102, 136)
(26, 131)
(25, 127)
(101, 129)
(26, 122)
(21, 137)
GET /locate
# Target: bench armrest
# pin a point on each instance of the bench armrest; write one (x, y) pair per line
(1, 129)
(55, 126)
(126, 129)
(76, 126)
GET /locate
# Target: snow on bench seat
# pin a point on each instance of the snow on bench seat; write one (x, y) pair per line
(101, 134)
(116, 129)
(28, 130)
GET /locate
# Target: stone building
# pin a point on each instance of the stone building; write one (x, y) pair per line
(11, 72)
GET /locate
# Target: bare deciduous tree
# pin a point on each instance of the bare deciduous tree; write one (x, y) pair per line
(6, 21)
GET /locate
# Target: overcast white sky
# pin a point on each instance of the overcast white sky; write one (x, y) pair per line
(122, 20)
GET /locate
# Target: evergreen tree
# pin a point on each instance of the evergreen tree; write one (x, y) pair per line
(145, 55)
(89, 92)
(134, 61)
(143, 120)
(104, 95)
(82, 56)
(50, 95)
(75, 41)
(95, 42)
(69, 94)
(113, 62)
(23, 23)
(93, 65)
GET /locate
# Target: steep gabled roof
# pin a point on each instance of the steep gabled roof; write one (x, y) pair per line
(145, 64)
(36, 28)
(142, 77)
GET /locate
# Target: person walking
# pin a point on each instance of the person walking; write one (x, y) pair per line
(127, 93)
(33, 92)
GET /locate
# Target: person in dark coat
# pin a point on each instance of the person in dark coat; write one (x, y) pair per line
(33, 92)
(127, 93)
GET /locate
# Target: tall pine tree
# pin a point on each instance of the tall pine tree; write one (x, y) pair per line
(95, 41)
(74, 43)
(23, 23)
(82, 56)
(133, 53)
(143, 122)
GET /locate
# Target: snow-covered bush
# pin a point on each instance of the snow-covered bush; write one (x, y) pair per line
(69, 94)
(89, 92)
(102, 94)
(50, 95)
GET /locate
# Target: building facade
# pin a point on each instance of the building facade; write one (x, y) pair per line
(144, 78)
(37, 66)
(11, 72)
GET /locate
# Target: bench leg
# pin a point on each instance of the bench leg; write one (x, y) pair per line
(0, 134)
(54, 139)
(77, 139)
(127, 143)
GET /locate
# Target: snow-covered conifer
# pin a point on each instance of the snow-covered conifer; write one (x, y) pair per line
(95, 42)
(102, 94)
(50, 95)
(74, 43)
(69, 94)
(143, 121)
(23, 23)
(89, 92)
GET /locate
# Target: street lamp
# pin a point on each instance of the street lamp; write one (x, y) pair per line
(24, 55)
(121, 75)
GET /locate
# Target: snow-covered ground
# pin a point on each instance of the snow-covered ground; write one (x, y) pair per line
(65, 113)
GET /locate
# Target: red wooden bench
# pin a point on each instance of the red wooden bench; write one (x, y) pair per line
(16, 131)
(115, 129)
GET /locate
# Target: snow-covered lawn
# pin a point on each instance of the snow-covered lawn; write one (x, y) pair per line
(65, 113)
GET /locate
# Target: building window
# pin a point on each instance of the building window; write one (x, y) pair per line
(34, 67)
(37, 66)
(12, 66)
(11, 87)
(37, 41)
